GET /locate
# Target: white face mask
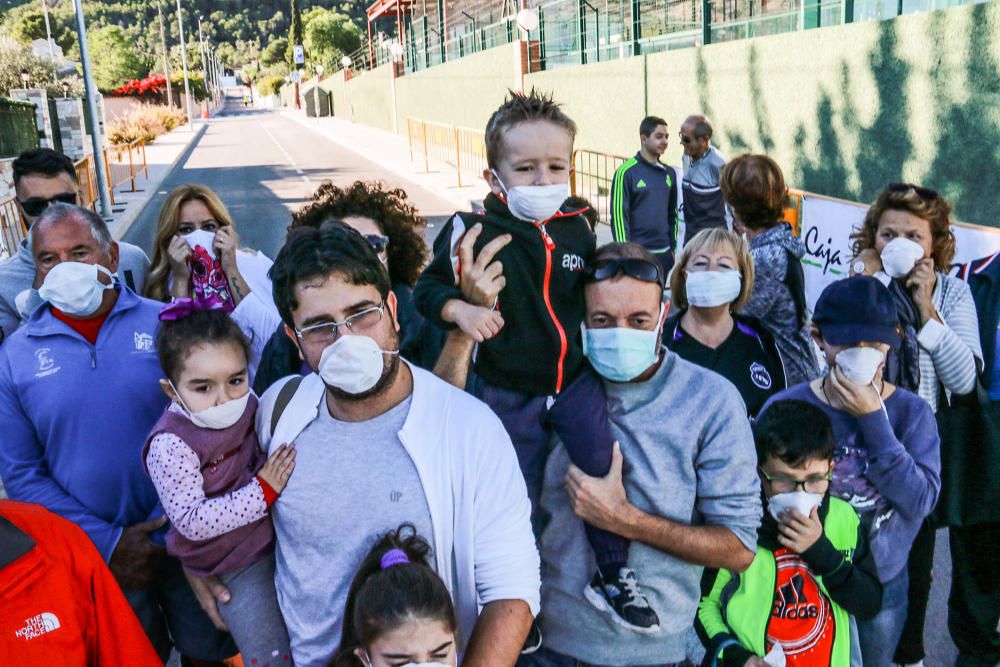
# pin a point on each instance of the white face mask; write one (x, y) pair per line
(368, 661)
(217, 417)
(200, 237)
(74, 288)
(900, 255)
(27, 301)
(803, 501)
(535, 202)
(707, 289)
(859, 364)
(353, 363)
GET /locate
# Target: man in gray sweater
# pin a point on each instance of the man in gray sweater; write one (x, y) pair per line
(43, 176)
(683, 487)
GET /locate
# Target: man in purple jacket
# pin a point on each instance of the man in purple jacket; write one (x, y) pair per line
(79, 392)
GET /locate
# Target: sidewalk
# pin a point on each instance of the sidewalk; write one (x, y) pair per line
(392, 151)
(161, 156)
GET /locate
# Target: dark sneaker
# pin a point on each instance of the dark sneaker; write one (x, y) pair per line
(534, 640)
(623, 601)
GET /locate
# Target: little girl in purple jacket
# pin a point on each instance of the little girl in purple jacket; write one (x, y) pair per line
(208, 468)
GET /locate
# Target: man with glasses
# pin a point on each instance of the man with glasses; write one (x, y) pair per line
(43, 176)
(813, 569)
(645, 196)
(689, 497)
(379, 443)
(703, 204)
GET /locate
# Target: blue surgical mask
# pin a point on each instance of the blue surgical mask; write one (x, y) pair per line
(621, 354)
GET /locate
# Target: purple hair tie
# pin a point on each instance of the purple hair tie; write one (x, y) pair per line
(394, 557)
(178, 309)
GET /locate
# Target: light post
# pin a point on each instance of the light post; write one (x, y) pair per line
(204, 70)
(65, 87)
(163, 47)
(346, 62)
(90, 91)
(25, 77)
(184, 64)
(48, 35)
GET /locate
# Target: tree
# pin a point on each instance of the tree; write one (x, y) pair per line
(294, 33)
(329, 36)
(115, 58)
(14, 58)
(274, 52)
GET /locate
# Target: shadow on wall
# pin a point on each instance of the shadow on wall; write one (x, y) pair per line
(966, 168)
(758, 106)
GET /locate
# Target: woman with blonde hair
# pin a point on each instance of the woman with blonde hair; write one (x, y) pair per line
(196, 258)
(712, 280)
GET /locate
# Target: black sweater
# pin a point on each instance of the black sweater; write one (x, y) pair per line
(538, 351)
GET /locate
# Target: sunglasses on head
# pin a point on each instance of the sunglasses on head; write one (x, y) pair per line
(35, 206)
(378, 242)
(924, 193)
(640, 269)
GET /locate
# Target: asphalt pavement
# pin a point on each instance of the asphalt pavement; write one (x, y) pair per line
(264, 166)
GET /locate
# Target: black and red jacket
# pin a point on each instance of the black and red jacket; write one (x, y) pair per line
(538, 351)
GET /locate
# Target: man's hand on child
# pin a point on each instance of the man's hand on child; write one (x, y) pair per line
(279, 467)
(799, 532)
(600, 501)
(477, 321)
(481, 279)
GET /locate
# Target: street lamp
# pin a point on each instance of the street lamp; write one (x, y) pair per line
(319, 74)
(25, 77)
(65, 87)
(346, 61)
(527, 19)
(396, 50)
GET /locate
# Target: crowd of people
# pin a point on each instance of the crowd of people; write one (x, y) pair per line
(514, 447)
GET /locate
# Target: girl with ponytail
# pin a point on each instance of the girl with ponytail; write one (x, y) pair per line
(399, 613)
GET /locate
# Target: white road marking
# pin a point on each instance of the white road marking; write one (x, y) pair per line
(284, 152)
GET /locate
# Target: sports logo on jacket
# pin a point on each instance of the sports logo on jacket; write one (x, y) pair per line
(46, 364)
(759, 375)
(801, 614)
(38, 625)
(143, 341)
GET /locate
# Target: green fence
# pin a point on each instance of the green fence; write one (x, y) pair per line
(18, 131)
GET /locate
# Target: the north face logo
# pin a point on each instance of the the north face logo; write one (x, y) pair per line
(640, 184)
(39, 625)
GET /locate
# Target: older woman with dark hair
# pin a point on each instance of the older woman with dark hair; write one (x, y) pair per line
(906, 242)
(754, 188)
(393, 227)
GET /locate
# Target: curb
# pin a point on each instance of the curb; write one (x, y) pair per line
(131, 217)
(460, 202)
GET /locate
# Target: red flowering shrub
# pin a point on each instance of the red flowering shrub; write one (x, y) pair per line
(153, 86)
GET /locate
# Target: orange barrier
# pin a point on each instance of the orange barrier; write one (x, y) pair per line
(122, 163)
(461, 147)
(12, 227)
(87, 179)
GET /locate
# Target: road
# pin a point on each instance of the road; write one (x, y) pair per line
(264, 166)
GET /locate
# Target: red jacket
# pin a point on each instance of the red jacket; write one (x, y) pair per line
(59, 603)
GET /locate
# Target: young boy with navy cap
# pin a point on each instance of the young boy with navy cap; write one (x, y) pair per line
(887, 459)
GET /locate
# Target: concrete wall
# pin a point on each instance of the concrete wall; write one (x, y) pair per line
(844, 109)
(462, 92)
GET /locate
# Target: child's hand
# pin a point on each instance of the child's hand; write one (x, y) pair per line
(478, 322)
(799, 532)
(279, 467)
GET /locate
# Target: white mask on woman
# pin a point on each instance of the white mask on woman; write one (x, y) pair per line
(900, 255)
(200, 237)
(707, 289)
(75, 288)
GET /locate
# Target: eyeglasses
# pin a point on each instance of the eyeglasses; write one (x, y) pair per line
(640, 269)
(35, 206)
(788, 485)
(326, 333)
(685, 139)
(378, 242)
(924, 193)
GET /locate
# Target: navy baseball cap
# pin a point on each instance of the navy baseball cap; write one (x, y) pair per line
(857, 310)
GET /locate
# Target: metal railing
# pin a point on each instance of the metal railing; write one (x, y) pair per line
(12, 227)
(461, 147)
(591, 177)
(123, 163)
(87, 180)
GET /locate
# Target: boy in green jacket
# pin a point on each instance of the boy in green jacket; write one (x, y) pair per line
(813, 569)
